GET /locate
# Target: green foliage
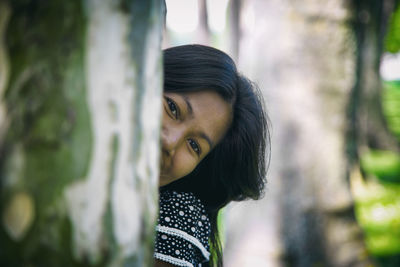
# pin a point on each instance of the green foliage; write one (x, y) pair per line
(391, 106)
(392, 41)
(385, 165)
(378, 204)
(378, 212)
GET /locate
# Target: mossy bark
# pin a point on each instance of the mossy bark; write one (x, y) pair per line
(79, 147)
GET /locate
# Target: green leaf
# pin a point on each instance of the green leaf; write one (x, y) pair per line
(383, 164)
(392, 41)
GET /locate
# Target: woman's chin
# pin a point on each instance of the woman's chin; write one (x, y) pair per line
(163, 180)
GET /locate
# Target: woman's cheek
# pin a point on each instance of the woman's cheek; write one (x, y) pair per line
(184, 163)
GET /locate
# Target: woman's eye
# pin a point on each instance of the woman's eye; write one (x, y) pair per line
(194, 146)
(173, 108)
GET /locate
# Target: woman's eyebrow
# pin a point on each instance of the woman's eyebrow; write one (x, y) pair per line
(190, 112)
(188, 105)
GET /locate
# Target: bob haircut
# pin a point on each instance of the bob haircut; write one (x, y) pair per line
(236, 168)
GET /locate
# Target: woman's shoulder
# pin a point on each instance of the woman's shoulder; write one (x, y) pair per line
(183, 229)
(179, 201)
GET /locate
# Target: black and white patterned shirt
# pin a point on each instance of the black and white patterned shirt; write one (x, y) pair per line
(183, 230)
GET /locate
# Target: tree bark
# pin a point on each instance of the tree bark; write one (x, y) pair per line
(367, 125)
(302, 54)
(79, 150)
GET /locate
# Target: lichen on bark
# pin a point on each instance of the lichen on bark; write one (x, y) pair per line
(83, 102)
(48, 133)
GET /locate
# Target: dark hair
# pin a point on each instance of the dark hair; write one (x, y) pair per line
(236, 168)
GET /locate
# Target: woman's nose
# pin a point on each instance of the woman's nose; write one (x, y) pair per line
(170, 139)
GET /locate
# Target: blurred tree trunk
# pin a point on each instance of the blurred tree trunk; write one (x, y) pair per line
(234, 27)
(203, 30)
(368, 127)
(303, 55)
(80, 90)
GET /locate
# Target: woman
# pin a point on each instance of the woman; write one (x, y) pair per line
(214, 137)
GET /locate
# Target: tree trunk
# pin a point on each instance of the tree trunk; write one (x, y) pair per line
(368, 128)
(234, 27)
(203, 30)
(80, 117)
(301, 53)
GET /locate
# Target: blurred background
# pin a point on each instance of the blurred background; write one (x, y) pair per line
(330, 75)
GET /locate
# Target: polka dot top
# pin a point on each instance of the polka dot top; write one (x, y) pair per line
(183, 230)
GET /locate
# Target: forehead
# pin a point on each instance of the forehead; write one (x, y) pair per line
(211, 113)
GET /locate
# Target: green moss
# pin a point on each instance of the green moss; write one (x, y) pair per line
(49, 117)
(46, 94)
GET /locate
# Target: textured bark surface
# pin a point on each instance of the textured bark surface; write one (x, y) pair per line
(80, 116)
(303, 55)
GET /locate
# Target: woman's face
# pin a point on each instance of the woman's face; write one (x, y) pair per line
(192, 125)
